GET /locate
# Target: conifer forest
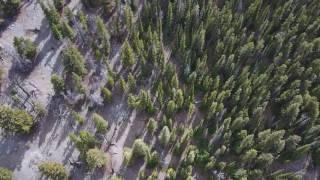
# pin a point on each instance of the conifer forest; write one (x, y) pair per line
(159, 89)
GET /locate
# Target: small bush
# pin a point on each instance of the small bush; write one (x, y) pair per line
(140, 148)
(5, 174)
(15, 120)
(152, 125)
(25, 47)
(96, 158)
(53, 170)
(171, 174)
(78, 117)
(164, 136)
(100, 122)
(127, 155)
(58, 84)
(106, 94)
(152, 159)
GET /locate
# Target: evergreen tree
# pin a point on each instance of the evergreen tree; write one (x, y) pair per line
(164, 136)
(127, 56)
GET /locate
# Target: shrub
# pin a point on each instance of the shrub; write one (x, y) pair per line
(25, 47)
(5, 174)
(110, 81)
(171, 107)
(153, 176)
(152, 125)
(73, 61)
(96, 158)
(84, 142)
(152, 159)
(58, 84)
(78, 117)
(100, 123)
(53, 170)
(106, 94)
(58, 4)
(127, 155)
(171, 174)
(15, 120)
(164, 136)
(67, 31)
(140, 148)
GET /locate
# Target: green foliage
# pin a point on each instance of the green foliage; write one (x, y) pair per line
(83, 20)
(152, 159)
(96, 158)
(265, 159)
(128, 18)
(58, 84)
(15, 120)
(67, 31)
(140, 148)
(100, 122)
(164, 136)
(127, 156)
(106, 94)
(152, 125)
(76, 82)
(78, 117)
(84, 141)
(249, 156)
(73, 61)
(154, 175)
(116, 178)
(171, 174)
(103, 39)
(25, 47)
(131, 82)
(53, 170)
(240, 174)
(58, 4)
(5, 174)
(171, 107)
(53, 17)
(110, 81)
(127, 56)
(10, 7)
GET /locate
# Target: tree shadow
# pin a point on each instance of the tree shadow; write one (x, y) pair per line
(12, 150)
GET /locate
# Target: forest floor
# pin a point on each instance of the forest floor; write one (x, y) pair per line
(50, 140)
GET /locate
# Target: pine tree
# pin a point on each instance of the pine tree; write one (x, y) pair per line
(73, 61)
(164, 136)
(127, 56)
(58, 84)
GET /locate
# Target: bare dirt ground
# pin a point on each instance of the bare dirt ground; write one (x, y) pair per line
(50, 141)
